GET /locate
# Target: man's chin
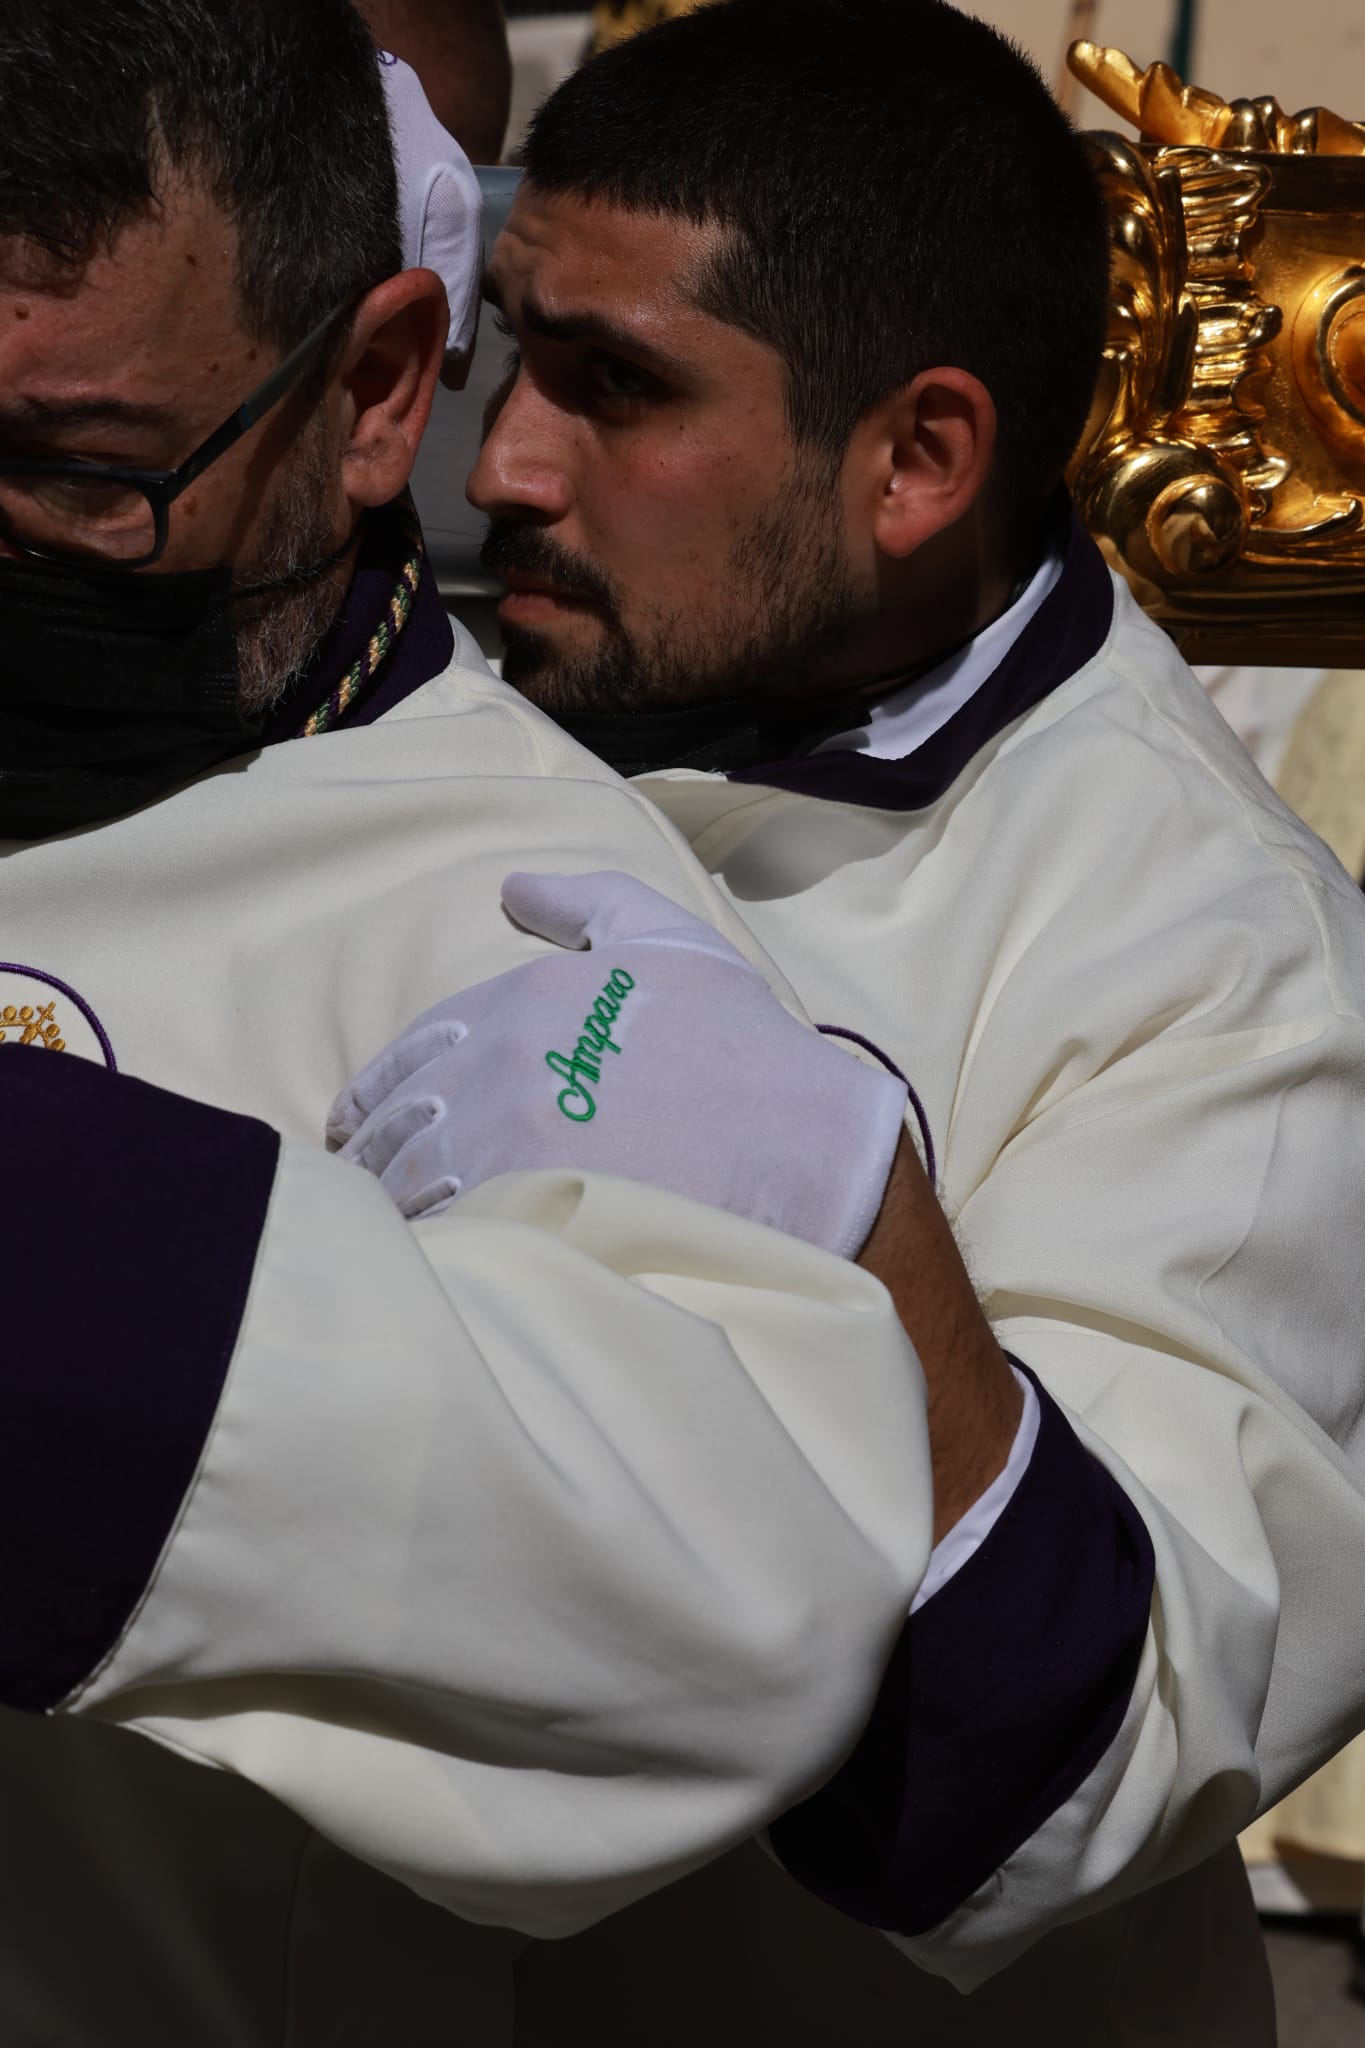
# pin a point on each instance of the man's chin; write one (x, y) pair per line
(526, 657)
(556, 678)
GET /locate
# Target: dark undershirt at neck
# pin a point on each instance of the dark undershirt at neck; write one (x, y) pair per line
(716, 737)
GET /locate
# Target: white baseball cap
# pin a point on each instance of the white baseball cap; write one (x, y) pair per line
(440, 207)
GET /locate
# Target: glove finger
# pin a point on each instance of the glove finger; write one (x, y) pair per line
(377, 1144)
(597, 910)
(432, 1199)
(403, 1057)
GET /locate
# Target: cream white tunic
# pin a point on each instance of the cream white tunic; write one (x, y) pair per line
(1130, 989)
(536, 1553)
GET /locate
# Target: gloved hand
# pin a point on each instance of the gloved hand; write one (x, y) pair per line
(648, 1048)
(440, 207)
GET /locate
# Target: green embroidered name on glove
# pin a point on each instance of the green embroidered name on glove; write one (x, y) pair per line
(584, 1064)
(724, 1097)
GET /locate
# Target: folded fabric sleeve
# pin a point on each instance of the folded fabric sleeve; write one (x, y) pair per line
(133, 1250)
(131, 1237)
(534, 1554)
(1004, 1692)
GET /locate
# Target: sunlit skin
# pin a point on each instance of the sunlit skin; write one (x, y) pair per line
(647, 437)
(135, 358)
(630, 457)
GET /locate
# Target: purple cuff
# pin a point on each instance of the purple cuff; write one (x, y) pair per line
(1004, 1692)
(132, 1226)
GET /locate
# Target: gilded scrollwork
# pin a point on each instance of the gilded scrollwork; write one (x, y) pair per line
(1223, 468)
(1329, 363)
(1166, 110)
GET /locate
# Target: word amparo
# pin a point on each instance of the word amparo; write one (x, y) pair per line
(584, 1064)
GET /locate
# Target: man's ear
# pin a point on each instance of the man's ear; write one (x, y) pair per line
(393, 359)
(928, 451)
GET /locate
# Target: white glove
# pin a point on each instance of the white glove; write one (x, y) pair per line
(440, 206)
(653, 1050)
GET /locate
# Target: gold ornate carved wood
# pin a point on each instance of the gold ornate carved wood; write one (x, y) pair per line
(1223, 467)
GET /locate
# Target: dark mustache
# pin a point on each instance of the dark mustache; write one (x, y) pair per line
(510, 545)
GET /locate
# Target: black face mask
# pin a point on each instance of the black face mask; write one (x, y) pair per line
(113, 689)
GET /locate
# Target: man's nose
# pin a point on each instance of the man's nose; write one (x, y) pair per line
(521, 467)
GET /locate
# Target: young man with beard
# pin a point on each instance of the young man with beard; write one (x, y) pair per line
(532, 1555)
(806, 299)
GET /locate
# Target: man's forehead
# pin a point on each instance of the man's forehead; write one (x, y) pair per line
(153, 249)
(572, 250)
(135, 319)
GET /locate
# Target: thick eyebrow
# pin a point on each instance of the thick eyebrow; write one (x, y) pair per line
(588, 326)
(47, 415)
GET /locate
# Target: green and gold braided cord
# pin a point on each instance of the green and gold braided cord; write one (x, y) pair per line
(382, 641)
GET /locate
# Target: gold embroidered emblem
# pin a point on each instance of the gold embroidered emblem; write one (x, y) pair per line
(34, 1026)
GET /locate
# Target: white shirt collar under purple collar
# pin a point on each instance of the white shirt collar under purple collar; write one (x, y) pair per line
(900, 724)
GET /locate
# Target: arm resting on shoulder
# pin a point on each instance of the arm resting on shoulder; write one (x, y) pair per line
(534, 1554)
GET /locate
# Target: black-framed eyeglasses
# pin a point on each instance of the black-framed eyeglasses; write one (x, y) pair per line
(66, 510)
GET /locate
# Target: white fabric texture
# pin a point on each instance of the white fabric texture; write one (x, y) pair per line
(1130, 989)
(539, 1550)
(511, 1631)
(440, 206)
(648, 1047)
(894, 729)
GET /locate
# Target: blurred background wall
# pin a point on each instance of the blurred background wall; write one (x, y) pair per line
(1306, 52)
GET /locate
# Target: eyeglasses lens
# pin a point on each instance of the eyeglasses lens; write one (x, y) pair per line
(69, 515)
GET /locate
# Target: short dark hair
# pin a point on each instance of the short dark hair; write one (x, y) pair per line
(275, 106)
(903, 192)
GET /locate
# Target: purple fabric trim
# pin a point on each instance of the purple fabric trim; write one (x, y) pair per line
(64, 989)
(1068, 630)
(856, 1038)
(424, 646)
(129, 1249)
(1003, 1694)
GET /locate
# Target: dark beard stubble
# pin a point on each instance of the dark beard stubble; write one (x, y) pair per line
(280, 629)
(788, 571)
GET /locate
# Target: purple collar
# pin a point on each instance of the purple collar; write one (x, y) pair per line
(424, 647)
(1067, 630)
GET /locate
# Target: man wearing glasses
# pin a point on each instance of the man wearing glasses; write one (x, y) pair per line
(532, 1555)
(227, 642)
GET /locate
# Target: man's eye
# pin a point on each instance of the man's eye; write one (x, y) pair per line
(511, 362)
(616, 378)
